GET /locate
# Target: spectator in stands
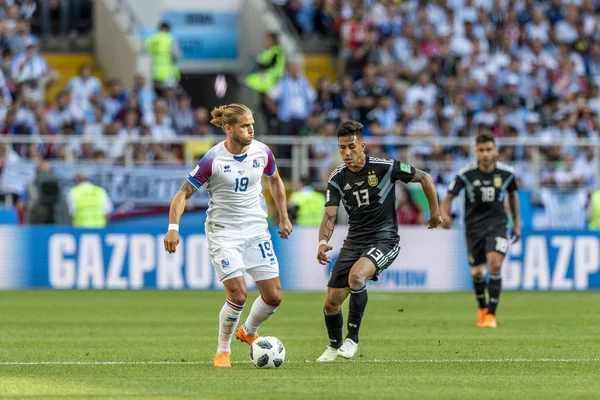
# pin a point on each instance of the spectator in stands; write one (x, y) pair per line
(408, 213)
(22, 35)
(202, 125)
(89, 205)
(85, 89)
(183, 115)
(115, 99)
(292, 100)
(162, 128)
(63, 113)
(131, 125)
(29, 66)
(366, 91)
(46, 205)
(144, 94)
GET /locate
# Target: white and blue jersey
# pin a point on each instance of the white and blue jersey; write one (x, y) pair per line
(236, 224)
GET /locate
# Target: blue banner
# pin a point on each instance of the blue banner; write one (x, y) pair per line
(554, 260)
(203, 35)
(130, 257)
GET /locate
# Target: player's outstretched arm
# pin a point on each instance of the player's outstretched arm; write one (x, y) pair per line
(177, 206)
(429, 188)
(325, 233)
(278, 192)
(515, 210)
(445, 207)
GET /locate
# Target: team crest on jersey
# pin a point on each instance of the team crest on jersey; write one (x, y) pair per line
(372, 179)
(255, 163)
(497, 181)
(224, 263)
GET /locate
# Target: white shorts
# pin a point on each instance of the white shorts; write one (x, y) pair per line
(233, 251)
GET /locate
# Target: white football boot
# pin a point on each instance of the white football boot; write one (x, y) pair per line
(328, 355)
(348, 349)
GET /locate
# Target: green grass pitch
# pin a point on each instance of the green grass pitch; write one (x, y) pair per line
(159, 345)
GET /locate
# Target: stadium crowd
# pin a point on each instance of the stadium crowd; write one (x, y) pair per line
(413, 69)
(455, 68)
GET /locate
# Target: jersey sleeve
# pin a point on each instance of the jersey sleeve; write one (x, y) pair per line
(402, 172)
(512, 186)
(202, 172)
(456, 186)
(334, 192)
(271, 166)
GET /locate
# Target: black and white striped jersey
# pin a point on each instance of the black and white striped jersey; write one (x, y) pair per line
(369, 197)
(484, 195)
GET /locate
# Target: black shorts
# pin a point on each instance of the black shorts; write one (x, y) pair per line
(381, 254)
(494, 239)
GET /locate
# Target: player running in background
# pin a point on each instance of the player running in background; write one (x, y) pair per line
(486, 183)
(365, 186)
(236, 225)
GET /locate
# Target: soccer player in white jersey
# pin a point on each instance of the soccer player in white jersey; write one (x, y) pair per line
(236, 225)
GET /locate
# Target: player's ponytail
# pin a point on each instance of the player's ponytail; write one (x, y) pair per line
(228, 115)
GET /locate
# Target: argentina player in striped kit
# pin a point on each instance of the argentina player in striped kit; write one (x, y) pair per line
(365, 186)
(236, 225)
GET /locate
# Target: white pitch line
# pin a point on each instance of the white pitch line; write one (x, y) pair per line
(375, 361)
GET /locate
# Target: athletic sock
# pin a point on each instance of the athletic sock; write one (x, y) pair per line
(494, 289)
(358, 303)
(479, 285)
(228, 321)
(334, 324)
(259, 313)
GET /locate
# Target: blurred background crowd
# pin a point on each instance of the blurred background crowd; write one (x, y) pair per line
(415, 70)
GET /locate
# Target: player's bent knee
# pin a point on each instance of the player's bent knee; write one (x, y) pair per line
(331, 308)
(356, 281)
(272, 298)
(478, 271)
(237, 296)
(495, 267)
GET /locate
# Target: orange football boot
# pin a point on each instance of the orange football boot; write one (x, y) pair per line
(489, 322)
(481, 313)
(242, 336)
(222, 360)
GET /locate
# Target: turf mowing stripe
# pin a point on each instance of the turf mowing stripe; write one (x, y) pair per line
(441, 361)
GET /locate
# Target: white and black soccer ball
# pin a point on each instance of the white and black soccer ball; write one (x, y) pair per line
(267, 352)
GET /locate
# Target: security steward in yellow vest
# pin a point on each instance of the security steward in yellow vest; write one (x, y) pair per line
(88, 204)
(594, 211)
(164, 52)
(270, 66)
(306, 206)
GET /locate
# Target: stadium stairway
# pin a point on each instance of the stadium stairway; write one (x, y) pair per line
(318, 65)
(67, 64)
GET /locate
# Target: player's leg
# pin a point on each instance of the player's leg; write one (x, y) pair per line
(262, 264)
(477, 260)
(225, 253)
(236, 293)
(372, 262)
(496, 248)
(334, 321)
(478, 273)
(263, 307)
(337, 291)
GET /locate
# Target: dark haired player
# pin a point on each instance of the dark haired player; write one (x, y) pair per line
(365, 186)
(486, 183)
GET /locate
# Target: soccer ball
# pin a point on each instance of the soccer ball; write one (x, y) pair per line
(267, 352)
